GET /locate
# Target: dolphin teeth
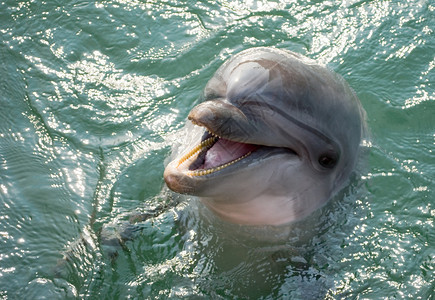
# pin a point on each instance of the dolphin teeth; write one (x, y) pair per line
(203, 145)
(211, 133)
(218, 168)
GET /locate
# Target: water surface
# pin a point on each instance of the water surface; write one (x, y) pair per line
(92, 95)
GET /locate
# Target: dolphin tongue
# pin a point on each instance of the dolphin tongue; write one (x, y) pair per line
(224, 151)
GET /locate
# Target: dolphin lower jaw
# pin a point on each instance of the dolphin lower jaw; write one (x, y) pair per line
(178, 182)
(189, 173)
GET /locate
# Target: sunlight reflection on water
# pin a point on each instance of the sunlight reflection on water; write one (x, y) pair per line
(94, 94)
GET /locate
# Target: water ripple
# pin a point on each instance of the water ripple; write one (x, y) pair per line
(94, 93)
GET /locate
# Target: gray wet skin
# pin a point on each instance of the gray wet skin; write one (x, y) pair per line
(306, 121)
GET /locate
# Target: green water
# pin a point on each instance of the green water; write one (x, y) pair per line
(92, 95)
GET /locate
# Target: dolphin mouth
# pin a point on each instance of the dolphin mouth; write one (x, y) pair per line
(213, 154)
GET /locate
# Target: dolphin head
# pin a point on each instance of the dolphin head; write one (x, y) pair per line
(281, 137)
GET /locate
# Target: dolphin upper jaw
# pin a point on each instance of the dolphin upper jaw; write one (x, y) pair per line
(247, 125)
(223, 119)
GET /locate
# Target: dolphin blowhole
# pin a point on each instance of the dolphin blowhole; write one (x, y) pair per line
(281, 135)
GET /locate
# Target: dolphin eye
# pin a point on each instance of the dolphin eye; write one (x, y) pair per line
(328, 160)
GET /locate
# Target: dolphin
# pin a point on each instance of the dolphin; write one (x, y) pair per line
(281, 136)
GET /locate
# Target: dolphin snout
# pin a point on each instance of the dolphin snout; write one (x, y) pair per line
(203, 114)
(221, 118)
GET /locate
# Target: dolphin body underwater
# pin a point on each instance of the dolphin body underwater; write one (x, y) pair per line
(281, 136)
